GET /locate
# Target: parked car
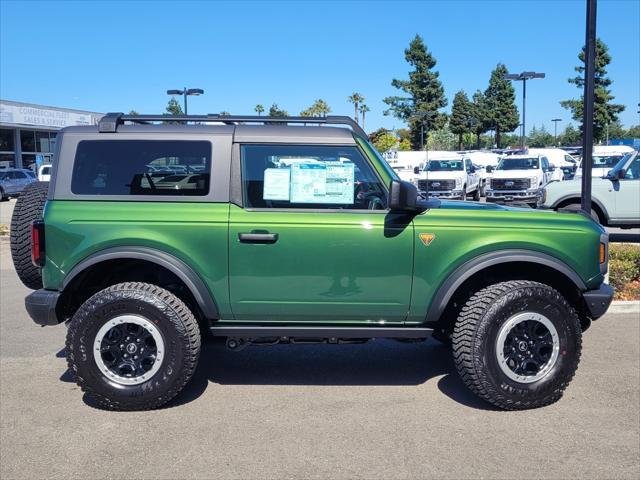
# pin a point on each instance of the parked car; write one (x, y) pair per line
(267, 251)
(615, 198)
(448, 175)
(484, 163)
(605, 157)
(13, 181)
(560, 159)
(520, 179)
(44, 173)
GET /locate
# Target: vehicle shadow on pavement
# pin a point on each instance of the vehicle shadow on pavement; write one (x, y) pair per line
(379, 362)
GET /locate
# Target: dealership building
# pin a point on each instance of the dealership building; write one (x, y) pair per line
(28, 132)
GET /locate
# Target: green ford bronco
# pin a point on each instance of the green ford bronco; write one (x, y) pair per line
(152, 233)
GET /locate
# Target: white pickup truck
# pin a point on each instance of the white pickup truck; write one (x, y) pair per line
(450, 176)
(521, 179)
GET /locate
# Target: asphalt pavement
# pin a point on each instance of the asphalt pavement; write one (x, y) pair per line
(380, 410)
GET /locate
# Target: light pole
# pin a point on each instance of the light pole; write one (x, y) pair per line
(524, 76)
(555, 129)
(186, 92)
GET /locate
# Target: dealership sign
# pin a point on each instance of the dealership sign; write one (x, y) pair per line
(45, 117)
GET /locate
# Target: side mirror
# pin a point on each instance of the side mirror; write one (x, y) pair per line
(552, 167)
(416, 170)
(489, 169)
(472, 169)
(620, 174)
(402, 196)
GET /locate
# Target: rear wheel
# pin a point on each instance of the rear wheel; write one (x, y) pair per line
(29, 207)
(476, 194)
(133, 346)
(517, 344)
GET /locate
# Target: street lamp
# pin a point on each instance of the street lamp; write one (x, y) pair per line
(524, 76)
(186, 92)
(555, 129)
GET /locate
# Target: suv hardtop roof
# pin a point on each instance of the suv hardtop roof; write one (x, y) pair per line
(112, 121)
(240, 133)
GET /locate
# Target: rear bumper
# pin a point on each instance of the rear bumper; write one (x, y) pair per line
(598, 301)
(41, 306)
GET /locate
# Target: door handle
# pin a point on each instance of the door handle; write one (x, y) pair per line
(258, 237)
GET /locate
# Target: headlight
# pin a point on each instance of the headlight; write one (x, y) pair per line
(534, 182)
(458, 182)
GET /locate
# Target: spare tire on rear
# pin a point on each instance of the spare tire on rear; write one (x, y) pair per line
(29, 207)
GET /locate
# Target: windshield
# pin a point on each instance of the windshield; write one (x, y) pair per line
(518, 164)
(621, 164)
(174, 178)
(46, 170)
(444, 165)
(607, 161)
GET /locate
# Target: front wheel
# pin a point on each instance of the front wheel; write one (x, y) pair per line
(476, 194)
(517, 344)
(133, 346)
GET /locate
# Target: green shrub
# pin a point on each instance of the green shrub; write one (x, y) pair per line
(624, 265)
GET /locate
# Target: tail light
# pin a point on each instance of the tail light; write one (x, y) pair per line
(37, 243)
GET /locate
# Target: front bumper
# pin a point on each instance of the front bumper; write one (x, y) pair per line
(41, 306)
(597, 301)
(449, 194)
(518, 196)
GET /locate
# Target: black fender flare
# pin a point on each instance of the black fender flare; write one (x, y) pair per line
(191, 279)
(476, 264)
(572, 196)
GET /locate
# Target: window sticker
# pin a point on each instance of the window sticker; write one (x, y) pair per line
(322, 182)
(277, 183)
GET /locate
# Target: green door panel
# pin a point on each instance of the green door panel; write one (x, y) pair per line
(325, 267)
(196, 233)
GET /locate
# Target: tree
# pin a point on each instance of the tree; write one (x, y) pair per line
(275, 111)
(500, 97)
(133, 112)
(461, 115)
(633, 132)
(604, 111)
(539, 138)
(320, 108)
(373, 136)
(224, 113)
(363, 110)
(441, 139)
(479, 121)
(174, 108)
(356, 99)
(570, 137)
(405, 145)
(259, 109)
(424, 93)
(385, 142)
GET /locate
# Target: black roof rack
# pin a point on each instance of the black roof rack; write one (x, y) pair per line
(109, 123)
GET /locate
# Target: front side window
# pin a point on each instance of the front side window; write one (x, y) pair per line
(606, 161)
(633, 172)
(311, 177)
(142, 167)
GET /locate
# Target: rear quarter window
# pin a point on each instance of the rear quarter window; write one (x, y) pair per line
(142, 167)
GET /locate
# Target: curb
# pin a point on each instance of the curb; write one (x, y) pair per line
(623, 306)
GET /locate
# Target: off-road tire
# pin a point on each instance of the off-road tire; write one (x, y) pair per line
(475, 336)
(3, 197)
(178, 328)
(29, 207)
(476, 194)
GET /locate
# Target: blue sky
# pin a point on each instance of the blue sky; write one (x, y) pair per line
(117, 56)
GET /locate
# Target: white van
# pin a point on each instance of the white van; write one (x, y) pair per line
(560, 159)
(44, 173)
(605, 157)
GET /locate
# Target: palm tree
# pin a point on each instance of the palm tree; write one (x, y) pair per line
(356, 99)
(363, 109)
(259, 109)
